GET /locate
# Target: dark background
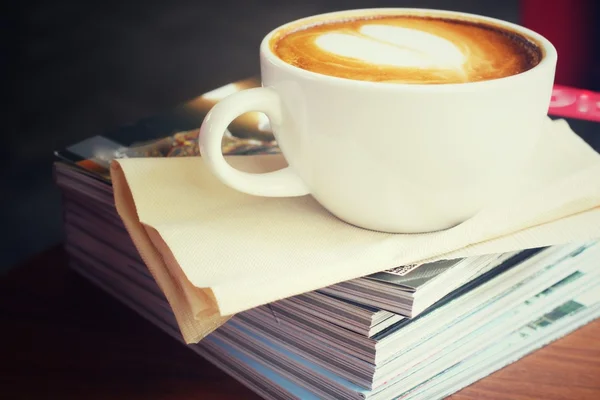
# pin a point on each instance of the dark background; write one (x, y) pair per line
(74, 69)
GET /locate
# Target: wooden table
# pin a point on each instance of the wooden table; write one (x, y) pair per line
(65, 339)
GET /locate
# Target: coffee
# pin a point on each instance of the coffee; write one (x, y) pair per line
(390, 157)
(407, 49)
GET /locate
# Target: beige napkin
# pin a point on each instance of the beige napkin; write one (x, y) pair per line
(215, 251)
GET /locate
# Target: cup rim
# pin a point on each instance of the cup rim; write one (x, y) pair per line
(549, 53)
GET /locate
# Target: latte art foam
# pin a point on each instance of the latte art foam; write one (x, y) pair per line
(407, 49)
(389, 45)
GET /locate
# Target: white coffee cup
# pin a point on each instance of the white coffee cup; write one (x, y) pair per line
(390, 157)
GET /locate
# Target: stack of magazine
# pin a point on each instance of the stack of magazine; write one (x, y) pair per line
(415, 331)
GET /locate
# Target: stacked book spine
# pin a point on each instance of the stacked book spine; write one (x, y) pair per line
(348, 341)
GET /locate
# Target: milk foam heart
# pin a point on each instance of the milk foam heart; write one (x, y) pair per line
(389, 45)
(407, 49)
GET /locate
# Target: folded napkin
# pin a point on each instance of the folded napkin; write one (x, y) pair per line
(215, 251)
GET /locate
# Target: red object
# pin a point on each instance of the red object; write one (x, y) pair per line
(569, 102)
(570, 26)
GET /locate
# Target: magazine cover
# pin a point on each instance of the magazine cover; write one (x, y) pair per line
(173, 134)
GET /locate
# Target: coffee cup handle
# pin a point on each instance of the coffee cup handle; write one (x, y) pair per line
(281, 183)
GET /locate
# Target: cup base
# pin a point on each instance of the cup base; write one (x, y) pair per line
(400, 229)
